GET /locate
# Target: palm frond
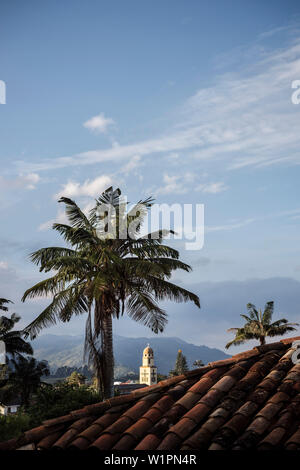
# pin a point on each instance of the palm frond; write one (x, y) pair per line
(76, 236)
(75, 215)
(52, 286)
(248, 319)
(167, 290)
(252, 311)
(237, 341)
(63, 306)
(141, 307)
(15, 344)
(43, 256)
(2, 304)
(268, 312)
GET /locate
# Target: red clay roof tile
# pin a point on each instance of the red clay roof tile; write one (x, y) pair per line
(188, 400)
(80, 443)
(293, 442)
(211, 398)
(170, 442)
(224, 384)
(139, 429)
(106, 441)
(199, 412)
(126, 442)
(183, 428)
(202, 386)
(64, 440)
(150, 442)
(274, 439)
(48, 441)
(175, 413)
(237, 423)
(153, 415)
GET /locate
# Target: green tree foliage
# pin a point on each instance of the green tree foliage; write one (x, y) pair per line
(76, 378)
(180, 365)
(259, 326)
(104, 276)
(12, 426)
(66, 371)
(52, 401)
(26, 378)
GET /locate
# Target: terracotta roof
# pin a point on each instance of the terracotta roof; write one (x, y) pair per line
(249, 401)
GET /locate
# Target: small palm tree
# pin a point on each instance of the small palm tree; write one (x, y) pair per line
(104, 276)
(198, 363)
(26, 377)
(258, 326)
(15, 345)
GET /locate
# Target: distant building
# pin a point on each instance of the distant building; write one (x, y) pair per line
(148, 371)
(125, 388)
(11, 406)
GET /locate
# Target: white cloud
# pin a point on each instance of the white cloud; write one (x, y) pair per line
(176, 184)
(181, 184)
(91, 188)
(30, 180)
(98, 124)
(292, 214)
(27, 181)
(132, 165)
(3, 265)
(212, 188)
(226, 227)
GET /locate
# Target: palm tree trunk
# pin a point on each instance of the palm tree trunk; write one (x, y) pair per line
(108, 357)
(262, 340)
(105, 363)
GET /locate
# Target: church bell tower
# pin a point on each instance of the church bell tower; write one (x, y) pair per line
(148, 371)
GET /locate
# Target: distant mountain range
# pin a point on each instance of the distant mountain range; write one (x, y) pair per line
(68, 351)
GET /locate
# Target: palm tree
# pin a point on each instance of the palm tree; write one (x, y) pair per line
(15, 345)
(198, 363)
(106, 275)
(2, 304)
(26, 377)
(258, 326)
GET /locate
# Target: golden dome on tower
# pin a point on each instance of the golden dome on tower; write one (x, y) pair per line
(148, 350)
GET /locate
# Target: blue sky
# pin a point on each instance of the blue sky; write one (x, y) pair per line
(187, 101)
